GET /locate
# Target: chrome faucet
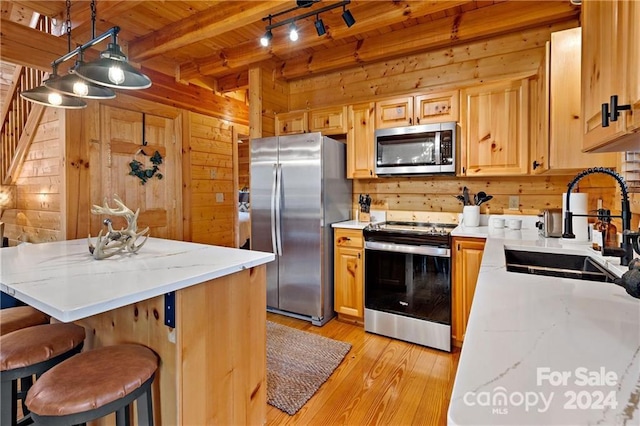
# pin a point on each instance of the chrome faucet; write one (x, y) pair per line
(629, 239)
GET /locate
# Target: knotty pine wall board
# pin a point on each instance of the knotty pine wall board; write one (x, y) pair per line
(37, 216)
(510, 56)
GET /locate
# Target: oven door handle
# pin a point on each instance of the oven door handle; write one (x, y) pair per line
(408, 249)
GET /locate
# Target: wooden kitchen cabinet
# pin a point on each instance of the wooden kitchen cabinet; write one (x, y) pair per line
(466, 259)
(329, 121)
(557, 145)
(360, 141)
(495, 129)
(292, 123)
(349, 274)
(610, 67)
(421, 109)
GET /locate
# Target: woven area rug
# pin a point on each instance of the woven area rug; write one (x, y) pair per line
(298, 363)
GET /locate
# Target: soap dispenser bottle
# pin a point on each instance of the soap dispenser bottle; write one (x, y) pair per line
(610, 231)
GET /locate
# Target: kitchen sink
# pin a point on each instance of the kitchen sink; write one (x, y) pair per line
(556, 265)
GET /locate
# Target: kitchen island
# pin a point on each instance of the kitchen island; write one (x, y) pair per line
(201, 308)
(544, 350)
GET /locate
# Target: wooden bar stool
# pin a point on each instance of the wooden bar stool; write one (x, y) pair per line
(12, 319)
(94, 384)
(32, 351)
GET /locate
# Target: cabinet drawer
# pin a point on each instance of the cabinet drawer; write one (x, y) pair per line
(349, 238)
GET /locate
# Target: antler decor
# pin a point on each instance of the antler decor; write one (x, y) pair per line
(116, 241)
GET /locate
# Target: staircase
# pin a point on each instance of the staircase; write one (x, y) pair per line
(16, 112)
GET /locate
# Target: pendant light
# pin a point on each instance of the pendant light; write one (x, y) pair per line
(113, 70)
(48, 97)
(71, 84)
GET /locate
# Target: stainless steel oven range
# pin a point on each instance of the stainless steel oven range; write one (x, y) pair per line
(407, 285)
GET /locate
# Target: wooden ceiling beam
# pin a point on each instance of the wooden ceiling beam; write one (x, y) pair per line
(209, 23)
(369, 15)
(233, 82)
(473, 25)
(22, 45)
(105, 11)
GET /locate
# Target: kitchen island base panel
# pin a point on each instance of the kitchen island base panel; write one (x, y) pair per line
(213, 364)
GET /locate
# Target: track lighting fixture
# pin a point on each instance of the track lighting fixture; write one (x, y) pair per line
(320, 29)
(88, 80)
(293, 32)
(348, 18)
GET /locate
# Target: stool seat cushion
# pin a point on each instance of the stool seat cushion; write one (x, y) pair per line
(29, 346)
(91, 379)
(12, 319)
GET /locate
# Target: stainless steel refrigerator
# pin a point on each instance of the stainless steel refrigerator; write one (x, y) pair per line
(298, 189)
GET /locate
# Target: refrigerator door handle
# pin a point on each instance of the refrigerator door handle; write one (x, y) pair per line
(278, 210)
(273, 210)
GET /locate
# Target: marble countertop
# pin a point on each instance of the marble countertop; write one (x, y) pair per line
(63, 280)
(351, 224)
(543, 350)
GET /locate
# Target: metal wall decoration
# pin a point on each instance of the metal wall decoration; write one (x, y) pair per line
(137, 168)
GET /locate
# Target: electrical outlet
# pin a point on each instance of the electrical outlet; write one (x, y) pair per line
(514, 202)
(212, 173)
(219, 197)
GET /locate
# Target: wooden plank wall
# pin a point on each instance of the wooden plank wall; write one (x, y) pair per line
(243, 164)
(210, 147)
(39, 188)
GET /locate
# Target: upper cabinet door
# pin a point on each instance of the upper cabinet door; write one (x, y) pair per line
(329, 121)
(395, 113)
(292, 123)
(605, 27)
(495, 129)
(437, 107)
(360, 140)
(633, 66)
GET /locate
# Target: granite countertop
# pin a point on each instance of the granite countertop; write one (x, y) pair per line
(544, 350)
(63, 280)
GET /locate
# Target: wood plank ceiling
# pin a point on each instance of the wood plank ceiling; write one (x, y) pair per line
(213, 43)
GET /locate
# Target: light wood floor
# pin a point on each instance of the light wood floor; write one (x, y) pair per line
(381, 381)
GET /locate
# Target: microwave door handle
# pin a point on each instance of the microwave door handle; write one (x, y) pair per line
(437, 147)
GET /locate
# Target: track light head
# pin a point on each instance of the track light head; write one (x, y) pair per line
(265, 40)
(348, 17)
(320, 29)
(293, 32)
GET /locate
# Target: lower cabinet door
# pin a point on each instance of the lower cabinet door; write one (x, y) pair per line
(348, 282)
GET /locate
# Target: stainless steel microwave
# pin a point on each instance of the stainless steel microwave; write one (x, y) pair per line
(423, 149)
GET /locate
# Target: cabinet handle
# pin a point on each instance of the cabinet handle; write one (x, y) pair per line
(615, 108)
(536, 164)
(370, 172)
(358, 255)
(418, 120)
(410, 123)
(605, 115)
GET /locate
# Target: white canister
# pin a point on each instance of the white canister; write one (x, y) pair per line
(471, 216)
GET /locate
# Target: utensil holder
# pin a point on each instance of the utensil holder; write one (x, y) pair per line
(471, 216)
(364, 217)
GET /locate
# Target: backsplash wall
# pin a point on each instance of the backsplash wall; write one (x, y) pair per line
(438, 193)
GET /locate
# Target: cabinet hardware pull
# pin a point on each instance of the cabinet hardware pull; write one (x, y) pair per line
(605, 115)
(417, 120)
(615, 108)
(358, 255)
(536, 164)
(410, 123)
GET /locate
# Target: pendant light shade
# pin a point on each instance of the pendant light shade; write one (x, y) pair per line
(44, 96)
(73, 85)
(113, 70)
